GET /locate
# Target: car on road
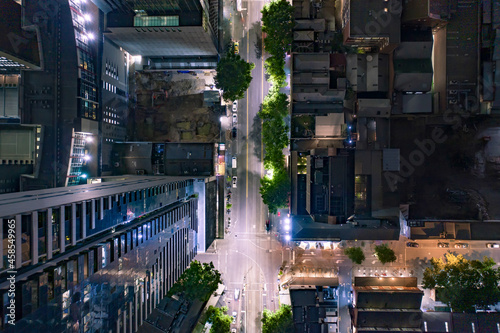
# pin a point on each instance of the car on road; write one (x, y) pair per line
(493, 246)
(443, 244)
(233, 162)
(236, 48)
(461, 245)
(412, 244)
(235, 118)
(234, 317)
(234, 132)
(235, 106)
(235, 179)
(236, 294)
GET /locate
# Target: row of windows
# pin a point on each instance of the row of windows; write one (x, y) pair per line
(88, 90)
(88, 109)
(112, 121)
(111, 70)
(70, 230)
(85, 61)
(110, 114)
(108, 87)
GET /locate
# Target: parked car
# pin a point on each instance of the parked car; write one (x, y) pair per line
(235, 106)
(233, 162)
(443, 245)
(234, 132)
(236, 48)
(412, 244)
(493, 245)
(235, 118)
(234, 317)
(234, 181)
(461, 245)
(236, 294)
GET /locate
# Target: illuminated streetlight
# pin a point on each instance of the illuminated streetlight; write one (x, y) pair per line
(90, 36)
(87, 17)
(84, 176)
(89, 139)
(86, 158)
(287, 237)
(287, 227)
(287, 221)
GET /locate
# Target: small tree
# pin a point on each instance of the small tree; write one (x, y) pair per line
(274, 191)
(233, 76)
(355, 254)
(385, 254)
(197, 282)
(221, 322)
(280, 321)
(464, 284)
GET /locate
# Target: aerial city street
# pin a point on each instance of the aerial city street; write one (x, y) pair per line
(249, 166)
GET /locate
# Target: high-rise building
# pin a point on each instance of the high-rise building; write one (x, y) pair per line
(96, 257)
(166, 34)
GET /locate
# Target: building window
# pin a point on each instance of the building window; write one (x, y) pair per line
(42, 233)
(25, 238)
(55, 229)
(67, 225)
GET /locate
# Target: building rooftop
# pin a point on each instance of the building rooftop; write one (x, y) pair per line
(15, 56)
(20, 202)
(304, 228)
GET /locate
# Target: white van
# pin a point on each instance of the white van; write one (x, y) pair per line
(233, 162)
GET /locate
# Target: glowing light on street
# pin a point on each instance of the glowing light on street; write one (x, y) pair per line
(84, 176)
(287, 237)
(87, 17)
(287, 221)
(287, 227)
(90, 36)
(86, 158)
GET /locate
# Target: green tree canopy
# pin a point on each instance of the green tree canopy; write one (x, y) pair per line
(274, 104)
(274, 191)
(197, 282)
(355, 254)
(280, 321)
(233, 76)
(277, 23)
(275, 67)
(385, 254)
(221, 322)
(464, 284)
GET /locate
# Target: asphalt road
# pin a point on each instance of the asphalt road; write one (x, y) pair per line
(249, 257)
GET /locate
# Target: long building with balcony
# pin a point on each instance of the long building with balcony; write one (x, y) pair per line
(96, 257)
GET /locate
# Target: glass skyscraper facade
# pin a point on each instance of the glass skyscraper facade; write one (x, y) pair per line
(97, 257)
